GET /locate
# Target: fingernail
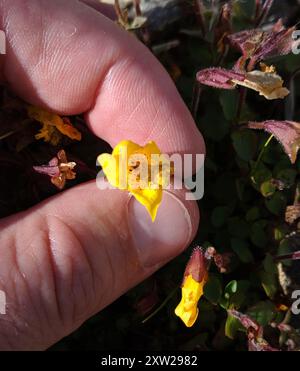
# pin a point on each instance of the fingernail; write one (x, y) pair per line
(166, 237)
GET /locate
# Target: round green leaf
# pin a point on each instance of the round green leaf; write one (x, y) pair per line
(219, 216)
(213, 289)
(228, 101)
(268, 188)
(263, 312)
(245, 144)
(253, 214)
(230, 288)
(277, 204)
(241, 248)
(258, 235)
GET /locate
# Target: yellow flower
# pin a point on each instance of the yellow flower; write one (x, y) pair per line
(130, 167)
(53, 126)
(282, 308)
(195, 278)
(49, 134)
(187, 309)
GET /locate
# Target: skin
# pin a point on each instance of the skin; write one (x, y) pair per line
(67, 258)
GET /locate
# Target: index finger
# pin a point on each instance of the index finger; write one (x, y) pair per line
(69, 58)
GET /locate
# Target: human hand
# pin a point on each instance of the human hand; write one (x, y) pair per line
(70, 256)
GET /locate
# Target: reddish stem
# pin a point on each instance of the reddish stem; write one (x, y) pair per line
(264, 13)
(137, 5)
(292, 256)
(199, 13)
(196, 99)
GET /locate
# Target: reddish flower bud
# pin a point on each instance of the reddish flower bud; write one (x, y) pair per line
(219, 78)
(197, 265)
(195, 277)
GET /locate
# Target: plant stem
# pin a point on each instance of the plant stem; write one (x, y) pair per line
(137, 5)
(200, 17)
(196, 99)
(261, 155)
(7, 134)
(161, 306)
(119, 12)
(292, 256)
(258, 7)
(264, 12)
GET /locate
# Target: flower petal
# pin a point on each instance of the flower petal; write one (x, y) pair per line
(187, 309)
(286, 132)
(150, 198)
(188, 317)
(65, 127)
(110, 167)
(125, 169)
(268, 84)
(49, 119)
(219, 77)
(151, 148)
(125, 147)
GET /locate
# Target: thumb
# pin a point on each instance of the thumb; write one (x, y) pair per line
(69, 257)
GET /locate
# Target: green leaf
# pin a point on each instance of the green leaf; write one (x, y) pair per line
(212, 124)
(213, 289)
(258, 235)
(277, 204)
(232, 326)
(224, 188)
(281, 165)
(260, 174)
(245, 144)
(287, 176)
(230, 288)
(269, 283)
(234, 294)
(241, 186)
(244, 8)
(238, 298)
(238, 227)
(228, 100)
(220, 216)
(280, 232)
(269, 265)
(268, 188)
(269, 278)
(207, 315)
(263, 312)
(285, 249)
(253, 214)
(241, 248)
